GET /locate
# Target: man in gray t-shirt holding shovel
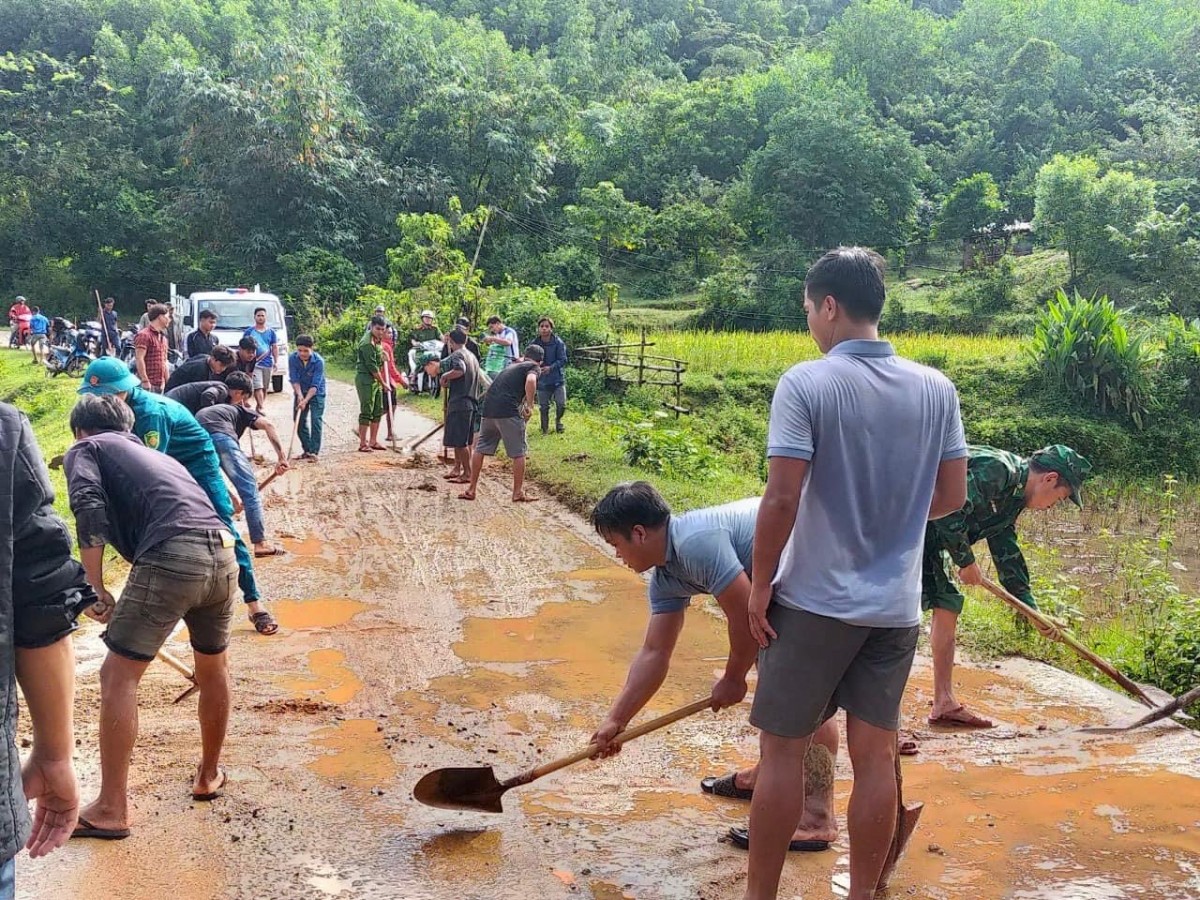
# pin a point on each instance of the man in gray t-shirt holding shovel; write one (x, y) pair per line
(704, 551)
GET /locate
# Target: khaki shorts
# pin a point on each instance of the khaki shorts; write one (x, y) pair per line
(262, 378)
(192, 577)
(493, 431)
(818, 664)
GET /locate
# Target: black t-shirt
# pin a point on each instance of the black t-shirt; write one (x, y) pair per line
(460, 392)
(225, 418)
(200, 394)
(190, 372)
(201, 344)
(503, 399)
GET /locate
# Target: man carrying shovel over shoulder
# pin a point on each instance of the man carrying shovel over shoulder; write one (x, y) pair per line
(145, 505)
(704, 551)
(1000, 486)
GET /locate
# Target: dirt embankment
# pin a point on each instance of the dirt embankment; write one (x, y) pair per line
(421, 631)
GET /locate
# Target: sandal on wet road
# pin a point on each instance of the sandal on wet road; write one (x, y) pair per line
(215, 792)
(960, 717)
(264, 623)
(740, 837)
(86, 829)
(726, 786)
(270, 551)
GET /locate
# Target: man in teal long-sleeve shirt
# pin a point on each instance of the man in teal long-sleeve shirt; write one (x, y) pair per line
(164, 425)
(1000, 486)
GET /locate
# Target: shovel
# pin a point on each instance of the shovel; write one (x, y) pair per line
(179, 666)
(412, 447)
(477, 788)
(907, 815)
(1055, 633)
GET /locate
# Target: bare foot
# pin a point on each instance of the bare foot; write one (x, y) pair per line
(207, 785)
(525, 497)
(828, 832)
(467, 495)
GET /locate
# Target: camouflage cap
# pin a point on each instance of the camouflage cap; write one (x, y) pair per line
(1066, 462)
(426, 358)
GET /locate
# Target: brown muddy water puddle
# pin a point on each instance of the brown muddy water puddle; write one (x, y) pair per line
(356, 756)
(320, 612)
(331, 680)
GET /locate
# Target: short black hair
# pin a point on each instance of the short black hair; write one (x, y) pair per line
(495, 320)
(458, 336)
(260, 309)
(223, 354)
(99, 413)
(304, 340)
(535, 352)
(463, 321)
(37, 309)
(208, 314)
(1038, 469)
(628, 505)
(378, 320)
(853, 276)
(248, 343)
(239, 381)
(110, 299)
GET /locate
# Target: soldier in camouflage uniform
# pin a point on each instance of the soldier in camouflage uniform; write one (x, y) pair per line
(1000, 486)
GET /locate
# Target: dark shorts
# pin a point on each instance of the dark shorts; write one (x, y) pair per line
(460, 427)
(192, 577)
(938, 590)
(493, 431)
(817, 665)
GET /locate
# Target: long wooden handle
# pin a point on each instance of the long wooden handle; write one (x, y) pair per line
(295, 428)
(427, 437)
(623, 738)
(176, 664)
(1099, 662)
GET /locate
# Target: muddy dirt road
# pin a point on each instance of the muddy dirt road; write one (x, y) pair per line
(421, 631)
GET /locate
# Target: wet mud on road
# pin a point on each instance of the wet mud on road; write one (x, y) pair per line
(420, 631)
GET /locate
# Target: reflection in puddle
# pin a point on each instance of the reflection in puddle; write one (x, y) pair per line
(331, 679)
(358, 756)
(462, 855)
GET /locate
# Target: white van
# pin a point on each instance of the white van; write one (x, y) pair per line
(235, 313)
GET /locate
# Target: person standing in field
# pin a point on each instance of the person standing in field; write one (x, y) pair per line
(150, 345)
(42, 590)
(144, 505)
(266, 355)
(552, 382)
(369, 383)
(506, 408)
(1000, 486)
(306, 371)
(203, 340)
(39, 335)
(502, 344)
(167, 426)
(112, 331)
(864, 448)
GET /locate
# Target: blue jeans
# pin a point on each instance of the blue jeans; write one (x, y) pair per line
(8, 879)
(312, 424)
(237, 469)
(207, 473)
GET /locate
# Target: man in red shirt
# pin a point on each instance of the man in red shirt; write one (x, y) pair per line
(151, 348)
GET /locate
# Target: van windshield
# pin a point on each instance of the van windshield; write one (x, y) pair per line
(239, 314)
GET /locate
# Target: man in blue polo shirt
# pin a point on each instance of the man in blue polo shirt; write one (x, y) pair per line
(165, 425)
(704, 551)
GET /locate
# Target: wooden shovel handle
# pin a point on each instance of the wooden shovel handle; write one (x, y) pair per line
(427, 437)
(623, 738)
(1065, 637)
(176, 664)
(295, 428)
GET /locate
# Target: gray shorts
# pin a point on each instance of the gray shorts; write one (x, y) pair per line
(192, 577)
(511, 431)
(262, 379)
(818, 664)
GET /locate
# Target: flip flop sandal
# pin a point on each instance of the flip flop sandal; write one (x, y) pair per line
(726, 786)
(86, 829)
(213, 794)
(960, 717)
(274, 551)
(908, 747)
(527, 498)
(364, 449)
(264, 623)
(740, 837)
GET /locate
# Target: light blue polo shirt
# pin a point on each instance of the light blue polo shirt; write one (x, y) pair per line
(706, 551)
(874, 428)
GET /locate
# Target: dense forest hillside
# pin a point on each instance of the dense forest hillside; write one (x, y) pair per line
(687, 146)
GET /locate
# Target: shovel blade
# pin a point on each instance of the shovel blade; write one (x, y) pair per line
(461, 788)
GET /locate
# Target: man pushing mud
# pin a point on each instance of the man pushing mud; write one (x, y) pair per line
(705, 551)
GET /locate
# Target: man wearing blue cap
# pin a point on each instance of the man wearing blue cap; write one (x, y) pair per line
(164, 425)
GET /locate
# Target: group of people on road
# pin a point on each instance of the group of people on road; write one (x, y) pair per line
(871, 488)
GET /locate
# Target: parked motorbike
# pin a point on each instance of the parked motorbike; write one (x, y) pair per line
(78, 349)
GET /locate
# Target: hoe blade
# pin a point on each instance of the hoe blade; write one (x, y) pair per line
(461, 788)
